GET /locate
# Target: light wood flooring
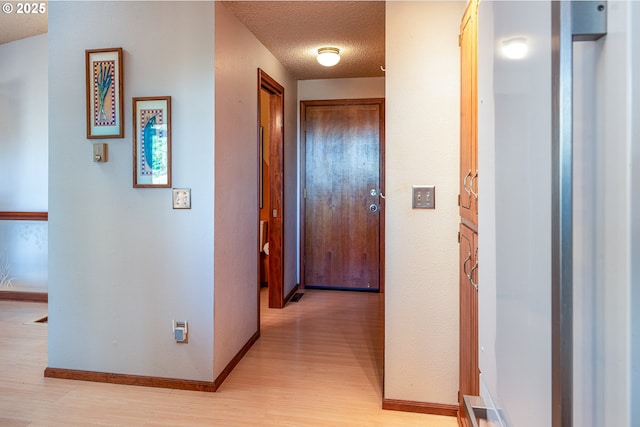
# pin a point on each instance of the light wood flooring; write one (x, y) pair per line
(318, 363)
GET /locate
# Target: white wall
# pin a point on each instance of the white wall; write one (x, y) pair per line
(238, 57)
(370, 87)
(122, 263)
(634, 227)
(422, 147)
(23, 125)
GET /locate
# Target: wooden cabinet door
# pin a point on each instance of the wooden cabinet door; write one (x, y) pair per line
(469, 115)
(469, 364)
(469, 369)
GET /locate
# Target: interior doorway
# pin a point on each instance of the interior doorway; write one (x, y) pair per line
(270, 188)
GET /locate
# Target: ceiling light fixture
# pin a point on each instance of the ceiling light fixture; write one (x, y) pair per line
(328, 56)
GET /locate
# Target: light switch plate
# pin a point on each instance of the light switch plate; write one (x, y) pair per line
(100, 152)
(424, 197)
(181, 198)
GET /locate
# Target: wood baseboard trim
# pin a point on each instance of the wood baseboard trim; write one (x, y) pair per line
(24, 296)
(24, 216)
(145, 381)
(232, 364)
(420, 407)
(125, 379)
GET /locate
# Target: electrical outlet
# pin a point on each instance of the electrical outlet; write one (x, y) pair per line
(181, 198)
(424, 197)
(181, 331)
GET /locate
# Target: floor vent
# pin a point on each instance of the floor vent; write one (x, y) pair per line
(296, 297)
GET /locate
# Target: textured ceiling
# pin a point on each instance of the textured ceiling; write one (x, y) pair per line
(291, 30)
(294, 30)
(16, 26)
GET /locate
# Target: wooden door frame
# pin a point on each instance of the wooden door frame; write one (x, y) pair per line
(276, 182)
(303, 142)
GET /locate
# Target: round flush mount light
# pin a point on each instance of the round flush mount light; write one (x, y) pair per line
(328, 56)
(515, 48)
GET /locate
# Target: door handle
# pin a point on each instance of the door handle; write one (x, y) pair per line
(470, 275)
(464, 183)
(473, 178)
(374, 208)
(579, 21)
(464, 265)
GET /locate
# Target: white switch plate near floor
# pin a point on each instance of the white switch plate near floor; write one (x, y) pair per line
(181, 198)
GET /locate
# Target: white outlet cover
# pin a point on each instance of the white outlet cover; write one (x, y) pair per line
(181, 198)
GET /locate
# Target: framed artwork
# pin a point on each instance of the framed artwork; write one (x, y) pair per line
(152, 142)
(104, 93)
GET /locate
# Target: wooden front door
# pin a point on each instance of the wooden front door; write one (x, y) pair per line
(342, 186)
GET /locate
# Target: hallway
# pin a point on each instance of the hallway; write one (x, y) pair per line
(318, 362)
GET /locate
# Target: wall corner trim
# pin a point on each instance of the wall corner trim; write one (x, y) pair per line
(232, 364)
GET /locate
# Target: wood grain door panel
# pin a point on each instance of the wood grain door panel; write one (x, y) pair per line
(342, 166)
(468, 116)
(469, 370)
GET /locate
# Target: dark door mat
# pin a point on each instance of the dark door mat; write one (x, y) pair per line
(296, 297)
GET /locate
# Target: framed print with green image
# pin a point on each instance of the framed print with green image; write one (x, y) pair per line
(104, 93)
